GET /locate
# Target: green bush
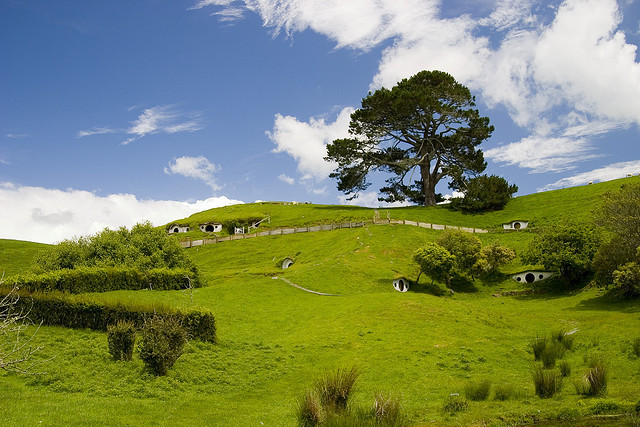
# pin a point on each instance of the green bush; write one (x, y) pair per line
(464, 246)
(59, 309)
(162, 343)
(121, 338)
(626, 280)
(477, 390)
(435, 261)
(105, 279)
(546, 382)
(484, 193)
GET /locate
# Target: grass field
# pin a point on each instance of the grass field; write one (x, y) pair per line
(276, 340)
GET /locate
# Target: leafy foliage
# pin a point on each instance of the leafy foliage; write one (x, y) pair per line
(492, 257)
(121, 338)
(567, 250)
(484, 193)
(626, 280)
(143, 247)
(435, 261)
(425, 124)
(463, 245)
(163, 340)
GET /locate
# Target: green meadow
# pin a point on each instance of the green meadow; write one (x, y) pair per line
(276, 340)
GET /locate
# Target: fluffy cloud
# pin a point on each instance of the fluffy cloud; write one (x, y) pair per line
(50, 215)
(159, 119)
(306, 141)
(607, 173)
(199, 168)
(286, 179)
(544, 62)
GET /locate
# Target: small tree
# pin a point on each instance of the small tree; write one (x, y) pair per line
(484, 193)
(15, 352)
(567, 250)
(435, 261)
(463, 245)
(626, 280)
(163, 340)
(492, 257)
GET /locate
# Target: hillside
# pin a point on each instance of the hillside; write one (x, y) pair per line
(276, 340)
(540, 209)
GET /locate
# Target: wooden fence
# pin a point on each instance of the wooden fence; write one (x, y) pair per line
(326, 227)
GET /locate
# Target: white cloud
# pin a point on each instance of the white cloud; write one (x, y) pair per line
(50, 215)
(547, 63)
(543, 154)
(369, 199)
(159, 119)
(306, 142)
(286, 179)
(194, 167)
(607, 173)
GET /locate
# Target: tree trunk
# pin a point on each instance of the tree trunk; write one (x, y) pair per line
(428, 186)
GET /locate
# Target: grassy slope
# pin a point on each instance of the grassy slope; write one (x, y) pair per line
(275, 339)
(16, 255)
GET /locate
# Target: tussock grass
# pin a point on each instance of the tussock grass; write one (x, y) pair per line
(504, 391)
(334, 389)
(594, 381)
(477, 390)
(455, 403)
(546, 382)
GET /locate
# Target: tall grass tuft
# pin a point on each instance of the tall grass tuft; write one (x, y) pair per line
(546, 382)
(334, 389)
(565, 368)
(538, 344)
(455, 403)
(551, 353)
(564, 338)
(387, 410)
(594, 381)
(121, 339)
(636, 346)
(477, 390)
(309, 410)
(504, 392)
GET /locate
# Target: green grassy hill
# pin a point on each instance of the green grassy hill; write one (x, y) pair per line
(276, 340)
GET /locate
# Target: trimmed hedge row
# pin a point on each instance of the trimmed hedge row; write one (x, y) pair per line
(94, 279)
(58, 309)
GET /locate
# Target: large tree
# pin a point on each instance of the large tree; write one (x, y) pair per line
(426, 126)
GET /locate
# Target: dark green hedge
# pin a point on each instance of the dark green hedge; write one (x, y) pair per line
(94, 279)
(58, 309)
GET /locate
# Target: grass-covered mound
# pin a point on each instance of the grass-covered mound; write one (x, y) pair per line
(429, 348)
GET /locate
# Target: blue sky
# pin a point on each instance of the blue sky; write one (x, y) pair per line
(116, 112)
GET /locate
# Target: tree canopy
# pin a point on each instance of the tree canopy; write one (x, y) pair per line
(426, 125)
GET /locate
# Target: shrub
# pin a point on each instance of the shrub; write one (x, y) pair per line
(636, 346)
(492, 257)
(335, 388)
(309, 410)
(121, 338)
(435, 261)
(484, 193)
(566, 249)
(463, 245)
(163, 340)
(455, 403)
(565, 368)
(546, 382)
(477, 390)
(626, 280)
(594, 381)
(504, 392)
